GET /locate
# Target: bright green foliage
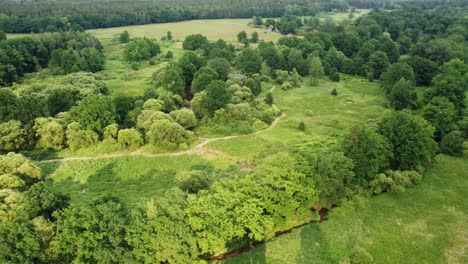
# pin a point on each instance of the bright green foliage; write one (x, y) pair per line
(78, 138)
(255, 86)
(18, 165)
(369, 151)
(442, 115)
(130, 138)
(141, 49)
(147, 117)
(124, 37)
(295, 60)
(402, 95)
(170, 78)
(216, 96)
(194, 42)
(332, 172)
(110, 132)
(59, 100)
(84, 84)
(153, 104)
(394, 181)
(249, 61)
(167, 133)
(395, 73)
(202, 78)
(94, 112)
(222, 66)
(50, 133)
(378, 63)
(315, 69)
(12, 136)
(411, 137)
(101, 229)
(19, 243)
(185, 117)
(452, 143)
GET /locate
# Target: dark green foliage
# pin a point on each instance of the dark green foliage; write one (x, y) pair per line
(334, 92)
(452, 143)
(30, 107)
(334, 77)
(202, 78)
(7, 105)
(18, 242)
(411, 137)
(2, 35)
(402, 95)
(42, 200)
(169, 55)
(141, 49)
(378, 63)
(424, 69)
(269, 98)
(59, 100)
(295, 60)
(255, 86)
(289, 23)
(124, 37)
(395, 73)
(123, 105)
(301, 126)
(242, 37)
(249, 61)
(217, 96)
(270, 54)
(170, 78)
(442, 115)
(222, 66)
(254, 38)
(194, 42)
(169, 35)
(190, 63)
(94, 112)
(197, 180)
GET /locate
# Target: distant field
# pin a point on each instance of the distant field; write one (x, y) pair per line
(213, 29)
(425, 224)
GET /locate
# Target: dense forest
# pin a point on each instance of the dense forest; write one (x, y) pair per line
(216, 85)
(50, 16)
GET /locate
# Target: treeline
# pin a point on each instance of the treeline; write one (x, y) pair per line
(64, 53)
(50, 16)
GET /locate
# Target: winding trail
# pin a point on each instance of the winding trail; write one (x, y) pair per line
(200, 148)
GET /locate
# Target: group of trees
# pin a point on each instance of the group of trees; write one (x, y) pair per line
(63, 52)
(46, 16)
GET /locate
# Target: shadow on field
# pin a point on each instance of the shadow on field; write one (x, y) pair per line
(314, 246)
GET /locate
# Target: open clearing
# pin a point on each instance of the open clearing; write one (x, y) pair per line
(425, 224)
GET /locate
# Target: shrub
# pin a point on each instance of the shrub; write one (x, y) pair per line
(394, 181)
(195, 181)
(334, 92)
(301, 126)
(452, 143)
(130, 138)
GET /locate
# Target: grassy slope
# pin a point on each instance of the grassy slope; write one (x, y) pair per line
(325, 116)
(425, 224)
(134, 180)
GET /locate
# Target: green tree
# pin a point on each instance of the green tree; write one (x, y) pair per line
(130, 138)
(141, 49)
(7, 104)
(452, 82)
(124, 37)
(12, 136)
(424, 69)
(166, 133)
(50, 133)
(170, 78)
(194, 42)
(452, 143)
(59, 100)
(2, 35)
(402, 95)
(394, 73)
(411, 137)
(269, 99)
(222, 66)
(369, 151)
(190, 63)
(202, 78)
(242, 37)
(94, 112)
(255, 86)
(19, 242)
(378, 63)
(254, 38)
(315, 69)
(249, 61)
(78, 138)
(169, 35)
(442, 115)
(185, 117)
(217, 96)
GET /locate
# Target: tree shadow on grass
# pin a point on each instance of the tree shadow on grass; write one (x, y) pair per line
(106, 182)
(314, 246)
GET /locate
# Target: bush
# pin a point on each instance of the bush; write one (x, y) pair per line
(394, 181)
(334, 92)
(452, 143)
(301, 126)
(141, 49)
(360, 256)
(195, 181)
(269, 99)
(130, 138)
(124, 37)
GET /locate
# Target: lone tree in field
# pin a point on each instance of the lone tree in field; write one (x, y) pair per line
(269, 99)
(124, 37)
(334, 92)
(242, 37)
(254, 38)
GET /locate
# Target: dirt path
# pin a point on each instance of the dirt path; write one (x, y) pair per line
(197, 149)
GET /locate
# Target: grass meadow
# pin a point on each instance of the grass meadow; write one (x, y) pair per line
(425, 224)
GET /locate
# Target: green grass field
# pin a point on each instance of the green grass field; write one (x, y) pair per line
(425, 224)
(324, 115)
